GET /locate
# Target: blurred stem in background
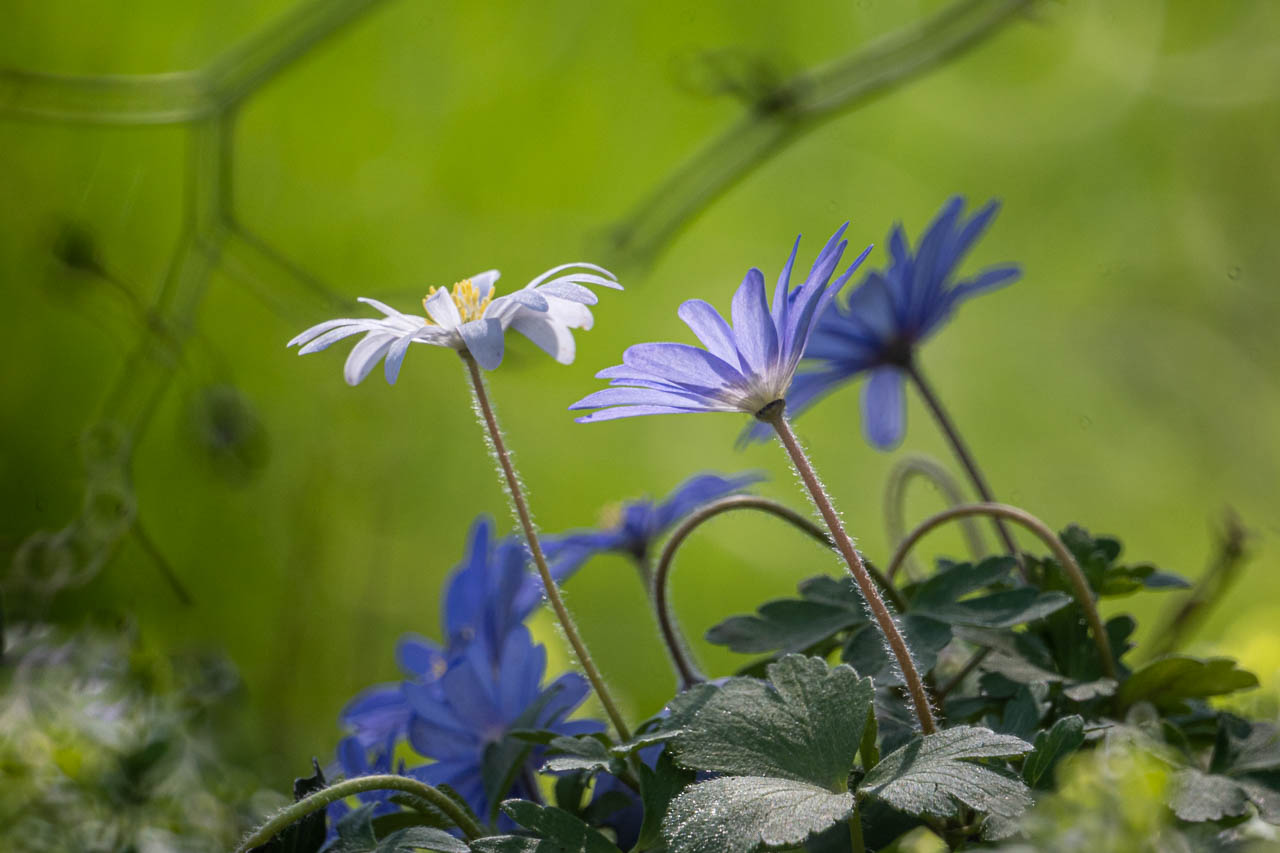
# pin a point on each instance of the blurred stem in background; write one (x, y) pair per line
(919, 465)
(778, 116)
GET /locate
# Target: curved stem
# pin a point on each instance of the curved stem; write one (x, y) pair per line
(775, 416)
(1084, 595)
(966, 458)
(672, 637)
(896, 493)
(516, 493)
(359, 785)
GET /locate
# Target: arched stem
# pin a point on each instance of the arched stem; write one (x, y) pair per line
(516, 492)
(359, 785)
(1084, 595)
(961, 450)
(775, 415)
(895, 495)
(672, 637)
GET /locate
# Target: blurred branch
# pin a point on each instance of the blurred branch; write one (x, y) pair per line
(1224, 568)
(207, 102)
(182, 96)
(776, 118)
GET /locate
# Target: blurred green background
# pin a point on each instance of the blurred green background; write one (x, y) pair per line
(1127, 383)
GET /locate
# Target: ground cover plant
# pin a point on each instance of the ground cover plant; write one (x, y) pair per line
(966, 701)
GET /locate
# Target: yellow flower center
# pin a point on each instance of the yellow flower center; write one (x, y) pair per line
(466, 297)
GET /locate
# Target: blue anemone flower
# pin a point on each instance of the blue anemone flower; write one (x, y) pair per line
(743, 369)
(478, 702)
(890, 314)
(487, 596)
(640, 522)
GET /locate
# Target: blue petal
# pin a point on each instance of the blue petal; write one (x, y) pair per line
(753, 331)
(780, 291)
(632, 412)
(710, 328)
(683, 364)
(376, 713)
(884, 408)
(419, 656)
(627, 396)
(698, 490)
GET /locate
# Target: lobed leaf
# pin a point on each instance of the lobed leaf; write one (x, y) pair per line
(557, 831)
(805, 725)
(934, 773)
(1066, 736)
(1168, 681)
(740, 814)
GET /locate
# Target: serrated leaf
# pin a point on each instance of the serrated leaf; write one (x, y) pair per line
(866, 652)
(1242, 746)
(931, 776)
(557, 831)
(1066, 736)
(1167, 681)
(580, 753)
(805, 724)
(740, 814)
(1198, 796)
(955, 581)
(827, 606)
(659, 786)
(1002, 609)
(422, 838)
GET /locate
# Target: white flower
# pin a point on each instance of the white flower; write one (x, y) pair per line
(469, 317)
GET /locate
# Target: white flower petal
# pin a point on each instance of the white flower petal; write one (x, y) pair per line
(395, 356)
(334, 335)
(484, 340)
(319, 329)
(580, 264)
(572, 314)
(441, 308)
(551, 337)
(381, 306)
(484, 281)
(365, 354)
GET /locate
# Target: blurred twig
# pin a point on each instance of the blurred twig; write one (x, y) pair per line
(1228, 559)
(796, 106)
(919, 465)
(207, 101)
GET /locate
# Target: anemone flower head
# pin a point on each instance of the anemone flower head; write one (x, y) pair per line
(489, 594)
(479, 703)
(637, 524)
(744, 368)
(891, 313)
(469, 318)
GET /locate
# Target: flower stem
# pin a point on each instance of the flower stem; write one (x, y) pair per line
(856, 844)
(359, 785)
(966, 458)
(775, 416)
(1080, 585)
(516, 493)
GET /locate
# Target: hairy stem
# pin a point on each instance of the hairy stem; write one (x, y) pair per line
(686, 670)
(1083, 594)
(516, 492)
(775, 416)
(966, 458)
(359, 785)
(896, 493)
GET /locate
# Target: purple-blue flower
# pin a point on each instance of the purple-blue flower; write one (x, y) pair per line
(353, 760)
(744, 368)
(487, 596)
(890, 314)
(477, 704)
(640, 522)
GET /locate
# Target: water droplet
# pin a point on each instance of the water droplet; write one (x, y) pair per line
(1233, 273)
(1085, 422)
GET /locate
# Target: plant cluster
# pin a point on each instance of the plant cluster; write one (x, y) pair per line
(979, 704)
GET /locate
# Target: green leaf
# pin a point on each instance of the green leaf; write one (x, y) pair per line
(1199, 796)
(658, 787)
(930, 776)
(355, 831)
(806, 727)
(740, 814)
(954, 581)
(580, 753)
(827, 607)
(421, 838)
(1066, 736)
(999, 609)
(306, 835)
(1097, 558)
(866, 650)
(1166, 682)
(557, 831)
